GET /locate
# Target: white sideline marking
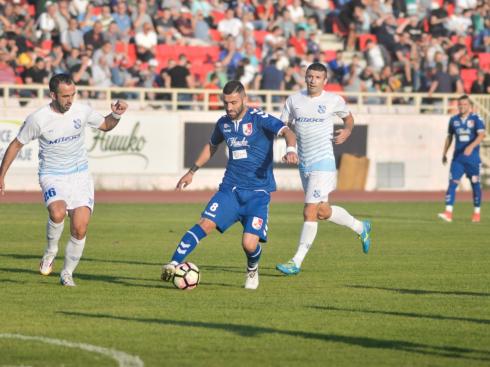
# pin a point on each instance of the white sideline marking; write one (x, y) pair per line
(123, 359)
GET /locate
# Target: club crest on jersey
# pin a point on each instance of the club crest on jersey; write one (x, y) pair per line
(316, 194)
(470, 123)
(322, 108)
(257, 223)
(77, 123)
(247, 129)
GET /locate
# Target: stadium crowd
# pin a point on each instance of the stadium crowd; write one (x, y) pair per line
(388, 45)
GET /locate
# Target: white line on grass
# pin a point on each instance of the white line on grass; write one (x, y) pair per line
(123, 359)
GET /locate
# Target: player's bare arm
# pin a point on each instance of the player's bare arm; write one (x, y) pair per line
(112, 119)
(13, 149)
(469, 149)
(447, 144)
(291, 156)
(206, 153)
(343, 134)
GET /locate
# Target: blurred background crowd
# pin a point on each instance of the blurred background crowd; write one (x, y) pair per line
(368, 45)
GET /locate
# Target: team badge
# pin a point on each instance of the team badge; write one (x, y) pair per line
(247, 129)
(322, 108)
(77, 123)
(470, 123)
(257, 223)
(316, 194)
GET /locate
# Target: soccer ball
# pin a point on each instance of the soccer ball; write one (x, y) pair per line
(186, 276)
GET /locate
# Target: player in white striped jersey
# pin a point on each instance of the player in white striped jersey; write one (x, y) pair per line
(313, 113)
(63, 167)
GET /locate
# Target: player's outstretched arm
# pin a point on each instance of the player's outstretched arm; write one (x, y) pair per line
(343, 134)
(206, 153)
(291, 156)
(13, 149)
(112, 119)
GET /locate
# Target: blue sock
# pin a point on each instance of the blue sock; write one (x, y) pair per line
(476, 194)
(451, 192)
(253, 258)
(188, 243)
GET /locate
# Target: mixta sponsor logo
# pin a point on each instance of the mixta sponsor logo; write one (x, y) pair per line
(64, 139)
(119, 145)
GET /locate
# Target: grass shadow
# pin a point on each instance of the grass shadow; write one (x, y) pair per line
(253, 331)
(405, 314)
(422, 291)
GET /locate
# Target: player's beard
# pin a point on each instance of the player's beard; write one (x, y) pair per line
(62, 108)
(236, 113)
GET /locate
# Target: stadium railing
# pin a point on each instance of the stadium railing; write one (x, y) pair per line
(209, 99)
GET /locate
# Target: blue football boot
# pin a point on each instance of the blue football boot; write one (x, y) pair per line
(365, 236)
(289, 268)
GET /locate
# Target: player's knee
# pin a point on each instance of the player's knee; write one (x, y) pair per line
(249, 245)
(324, 211)
(79, 233)
(310, 212)
(475, 180)
(57, 215)
(207, 225)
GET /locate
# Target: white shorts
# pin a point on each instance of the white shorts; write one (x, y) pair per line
(76, 189)
(317, 185)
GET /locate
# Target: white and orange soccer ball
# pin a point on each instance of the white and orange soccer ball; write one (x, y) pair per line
(187, 276)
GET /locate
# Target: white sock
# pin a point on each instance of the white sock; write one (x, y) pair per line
(53, 234)
(476, 210)
(308, 234)
(342, 217)
(449, 208)
(73, 253)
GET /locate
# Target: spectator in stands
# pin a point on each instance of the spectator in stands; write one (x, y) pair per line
(338, 67)
(438, 20)
(318, 8)
(213, 99)
(204, 8)
(385, 29)
(106, 52)
(459, 22)
(113, 36)
(272, 41)
(200, 28)
(300, 41)
(441, 81)
(456, 82)
(7, 73)
(146, 40)
(46, 23)
(101, 73)
(81, 71)
(352, 81)
(105, 17)
(72, 37)
(86, 19)
(297, 12)
(376, 56)
(230, 57)
(271, 78)
(229, 25)
(95, 37)
(478, 86)
(286, 24)
(179, 76)
(249, 51)
(220, 72)
(183, 22)
(140, 17)
(122, 19)
(413, 27)
(79, 8)
(38, 74)
(165, 26)
(292, 80)
(264, 14)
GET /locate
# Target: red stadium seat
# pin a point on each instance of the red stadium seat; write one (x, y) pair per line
(330, 55)
(333, 87)
(363, 38)
(468, 76)
(215, 35)
(259, 37)
(484, 60)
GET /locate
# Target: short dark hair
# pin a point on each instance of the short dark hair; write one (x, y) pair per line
(317, 66)
(234, 86)
(58, 79)
(465, 96)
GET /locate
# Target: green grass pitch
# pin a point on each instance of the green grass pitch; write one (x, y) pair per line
(421, 297)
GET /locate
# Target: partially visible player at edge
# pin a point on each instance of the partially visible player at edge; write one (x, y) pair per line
(469, 130)
(63, 167)
(244, 193)
(313, 112)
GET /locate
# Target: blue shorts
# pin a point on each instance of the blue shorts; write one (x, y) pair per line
(249, 207)
(460, 167)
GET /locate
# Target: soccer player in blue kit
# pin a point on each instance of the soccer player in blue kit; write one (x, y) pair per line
(244, 193)
(469, 130)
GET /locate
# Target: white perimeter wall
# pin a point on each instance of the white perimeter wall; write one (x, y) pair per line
(145, 151)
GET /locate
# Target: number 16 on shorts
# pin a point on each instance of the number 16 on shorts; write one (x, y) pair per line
(49, 194)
